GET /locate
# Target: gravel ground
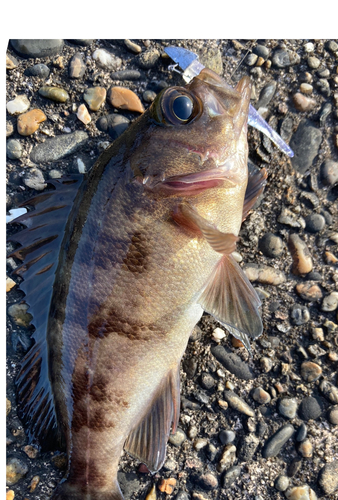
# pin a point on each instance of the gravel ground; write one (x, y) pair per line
(223, 448)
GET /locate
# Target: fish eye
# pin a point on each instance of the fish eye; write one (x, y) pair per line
(176, 106)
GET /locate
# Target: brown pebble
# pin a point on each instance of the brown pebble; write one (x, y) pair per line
(29, 122)
(310, 371)
(306, 88)
(330, 258)
(167, 485)
(95, 97)
(264, 274)
(10, 495)
(123, 98)
(303, 103)
(300, 493)
(58, 62)
(30, 451)
(83, 115)
(9, 284)
(34, 482)
(302, 261)
(10, 64)
(309, 291)
(236, 342)
(306, 448)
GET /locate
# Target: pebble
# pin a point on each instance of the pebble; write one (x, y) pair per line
(261, 51)
(126, 74)
(232, 363)
(148, 59)
(330, 258)
(178, 438)
(282, 483)
(248, 447)
(330, 302)
(301, 257)
(207, 381)
(95, 97)
(283, 58)
(77, 67)
(288, 407)
(261, 396)
(18, 105)
(303, 103)
(34, 179)
(83, 114)
(251, 59)
(329, 172)
(149, 95)
(39, 70)
(310, 371)
(323, 86)
(289, 218)
(9, 284)
(218, 334)
(299, 315)
(10, 495)
(13, 149)
(294, 466)
(54, 93)
(227, 436)
(333, 415)
(301, 433)
(30, 48)
(29, 122)
(310, 408)
(123, 98)
(300, 493)
(227, 458)
(313, 62)
(58, 147)
(208, 481)
(309, 47)
(19, 314)
(276, 442)
(9, 128)
(305, 144)
(328, 477)
(167, 485)
(266, 364)
(231, 475)
(15, 470)
(309, 291)
(238, 403)
(84, 42)
(132, 46)
(330, 391)
(114, 124)
(324, 113)
(30, 451)
(271, 245)
(106, 60)
(264, 274)
(314, 222)
(266, 94)
(306, 448)
(306, 88)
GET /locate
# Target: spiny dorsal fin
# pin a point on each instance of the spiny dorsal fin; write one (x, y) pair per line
(255, 187)
(41, 241)
(148, 440)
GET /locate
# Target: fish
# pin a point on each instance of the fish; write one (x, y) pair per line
(118, 267)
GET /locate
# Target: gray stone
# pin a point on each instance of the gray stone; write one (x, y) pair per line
(329, 172)
(148, 59)
(310, 408)
(83, 42)
(232, 363)
(314, 223)
(271, 245)
(276, 442)
(58, 147)
(301, 433)
(37, 48)
(266, 94)
(283, 58)
(288, 407)
(126, 74)
(330, 391)
(114, 124)
(227, 436)
(305, 144)
(299, 315)
(333, 415)
(251, 59)
(13, 149)
(328, 477)
(261, 51)
(231, 475)
(282, 483)
(178, 438)
(208, 481)
(248, 447)
(40, 70)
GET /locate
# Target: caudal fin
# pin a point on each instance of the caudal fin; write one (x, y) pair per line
(68, 491)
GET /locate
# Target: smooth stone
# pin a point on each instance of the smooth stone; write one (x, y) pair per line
(306, 88)
(323, 73)
(283, 58)
(95, 97)
(271, 245)
(310, 199)
(123, 98)
(37, 48)
(227, 458)
(251, 59)
(323, 86)
(9, 128)
(264, 274)
(237, 403)
(333, 415)
(309, 291)
(261, 51)
(34, 179)
(301, 257)
(329, 172)
(29, 122)
(132, 46)
(330, 391)
(16, 469)
(13, 149)
(305, 448)
(227, 436)
(148, 59)
(83, 114)
(309, 47)
(83, 42)
(248, 447)
(18, 105)
(261, 396)
(301, 433)
(310, 371)
(330, 302)
(11, 62)
(303, 103)
(149, 95)
(208, 481)
(40, 70)
(266, 94)
(288, 407)
(232, 363)
(299, 315)
(305, 144)
(107, 60)
(77, 67)
(178, 438)
(19, 314)
(126, 74)
(294, 466)
(313, 62)
(231, 475)
(328, 477)
(181, 495)
(54, 93)
(310, 408)
(114, 124)
(286, 128)
(282, 483)
(314, 222)
(266, 364)
(276, 442)
(207, 381)
(58, 147)
(300, 493)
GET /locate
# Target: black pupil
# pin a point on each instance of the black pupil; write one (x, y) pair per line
(182, 107)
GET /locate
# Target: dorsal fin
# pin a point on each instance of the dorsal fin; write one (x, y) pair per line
(255, 187)
(41, 241)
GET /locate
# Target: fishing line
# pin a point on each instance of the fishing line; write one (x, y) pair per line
(241, 61)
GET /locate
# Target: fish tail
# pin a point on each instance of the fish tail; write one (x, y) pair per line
(68, 491)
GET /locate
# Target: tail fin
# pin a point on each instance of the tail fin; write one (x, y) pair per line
(68, 491)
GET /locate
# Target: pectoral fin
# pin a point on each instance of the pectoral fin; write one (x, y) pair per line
(148, 440)
(232, 300)
(255, 187)
(186, 216)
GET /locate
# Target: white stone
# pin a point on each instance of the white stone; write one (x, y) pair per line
(19, 105)
(218, 334)
(309, 47)
(83, 115)
(81, 166)
(106, 60)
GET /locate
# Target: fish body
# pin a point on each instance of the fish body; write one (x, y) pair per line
(145, 249)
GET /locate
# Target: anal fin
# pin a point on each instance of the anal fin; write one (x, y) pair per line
(232, 300)
(147, 441)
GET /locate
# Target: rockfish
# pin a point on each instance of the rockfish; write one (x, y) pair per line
(118, 268)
